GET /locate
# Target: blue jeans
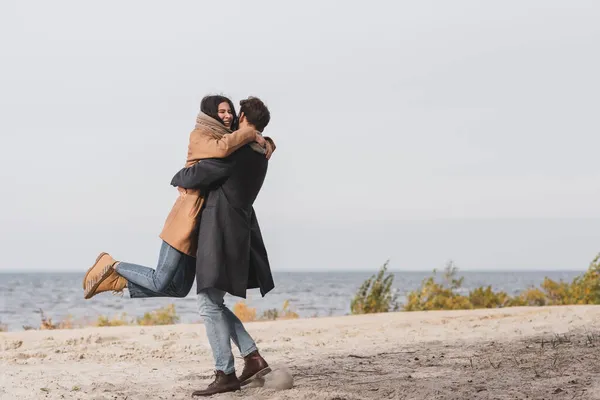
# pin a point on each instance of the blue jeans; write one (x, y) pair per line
(222, 325)
(173, 277)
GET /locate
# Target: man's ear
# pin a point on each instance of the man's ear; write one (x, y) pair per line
(241, 117)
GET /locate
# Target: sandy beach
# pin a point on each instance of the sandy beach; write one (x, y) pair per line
(517, 353)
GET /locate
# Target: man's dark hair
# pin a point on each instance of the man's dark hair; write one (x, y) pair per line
(210, 106)
(256, 112)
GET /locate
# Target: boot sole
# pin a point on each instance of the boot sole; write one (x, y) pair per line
(259, 375)
(202, 393)
(92, 286)
(92, 267)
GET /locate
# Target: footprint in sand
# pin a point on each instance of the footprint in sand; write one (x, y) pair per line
(12, 345)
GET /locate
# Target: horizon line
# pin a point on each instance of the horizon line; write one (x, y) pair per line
(334, 271)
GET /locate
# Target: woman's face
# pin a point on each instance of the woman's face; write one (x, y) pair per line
(226, 114)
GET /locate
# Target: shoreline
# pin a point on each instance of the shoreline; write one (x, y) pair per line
(508, 352)
(86, 325)
(307, 296)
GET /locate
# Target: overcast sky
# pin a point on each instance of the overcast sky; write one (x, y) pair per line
(417, 131)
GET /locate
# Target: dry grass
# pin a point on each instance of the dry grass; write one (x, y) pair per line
(243, 312)
(47, 323)
(120, 320)
(248, 314)
(553, 359)
(284, 313)
(162, 316)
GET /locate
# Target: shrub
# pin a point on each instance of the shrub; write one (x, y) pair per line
(530, 297)
(243, 312)
(163, 316)
(47, 324)
(584, 289)
(285, 313)
(439, 296)
(248, 314)
(116, 321)
(376, 294)
(487, 298)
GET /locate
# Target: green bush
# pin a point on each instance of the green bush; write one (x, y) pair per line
(584, 289)
(487, 298)
(439, 296)
(376, 294)
(163, 316)
(116, 321)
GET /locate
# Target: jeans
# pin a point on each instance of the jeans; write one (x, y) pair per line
(221, 326)
(173, 277)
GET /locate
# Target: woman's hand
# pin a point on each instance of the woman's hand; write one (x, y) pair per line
(269, 149)
(260, 140)
(267, 145)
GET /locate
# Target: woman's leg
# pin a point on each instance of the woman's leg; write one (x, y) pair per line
(184, 279)
(172, 278)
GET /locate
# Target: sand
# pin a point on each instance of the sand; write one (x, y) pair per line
(516, 353)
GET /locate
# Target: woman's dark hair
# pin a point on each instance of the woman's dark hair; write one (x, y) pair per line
(210, 106)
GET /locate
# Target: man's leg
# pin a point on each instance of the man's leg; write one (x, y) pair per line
(254, 365)
(210, 304)
(239, 335)
(173, 276)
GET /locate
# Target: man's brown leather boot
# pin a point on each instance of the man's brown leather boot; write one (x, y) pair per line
(222, 384)
(254, 367)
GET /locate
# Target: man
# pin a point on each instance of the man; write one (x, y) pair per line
(231, 255)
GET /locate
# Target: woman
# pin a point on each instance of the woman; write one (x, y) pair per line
(175, 272)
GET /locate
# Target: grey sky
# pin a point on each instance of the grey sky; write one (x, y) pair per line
(420, 131)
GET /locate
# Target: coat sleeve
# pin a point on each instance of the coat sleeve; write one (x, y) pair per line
(204, 175)
(204, 145)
